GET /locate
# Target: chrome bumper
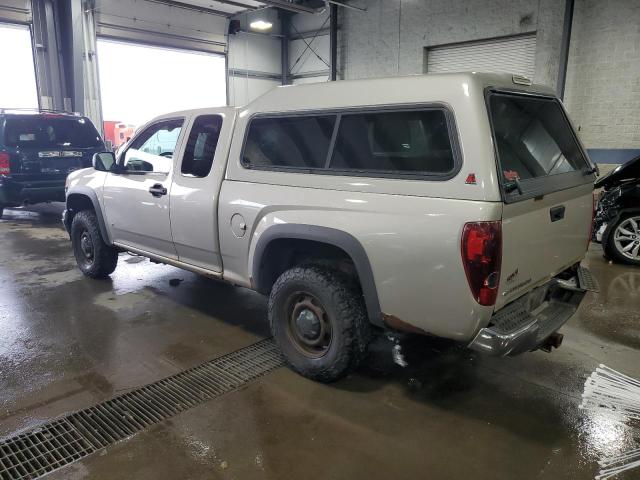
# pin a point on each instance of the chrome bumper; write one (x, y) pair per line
(527, 322)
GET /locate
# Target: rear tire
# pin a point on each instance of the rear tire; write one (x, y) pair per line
(318, 319)
(623, 240)
(94, 257)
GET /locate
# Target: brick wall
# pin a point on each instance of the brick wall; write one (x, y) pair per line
(390, 37)
(603, 76)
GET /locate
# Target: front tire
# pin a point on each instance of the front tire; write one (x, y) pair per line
(319, 321)
(94, 257)
(623, 240)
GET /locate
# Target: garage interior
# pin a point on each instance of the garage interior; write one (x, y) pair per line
(69, 343)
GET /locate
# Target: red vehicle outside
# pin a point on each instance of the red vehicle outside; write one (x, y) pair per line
(117, 132)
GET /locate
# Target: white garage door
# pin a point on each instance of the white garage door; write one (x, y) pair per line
(498, 55)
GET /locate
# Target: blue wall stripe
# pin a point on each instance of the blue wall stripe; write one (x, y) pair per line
(612, 155)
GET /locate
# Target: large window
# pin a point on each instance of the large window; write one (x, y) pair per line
(295, 142)
(394, 143)
(18, 80)
(533, 137)
(414, 141)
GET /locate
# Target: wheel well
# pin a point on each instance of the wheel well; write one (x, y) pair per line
(77, 202)
(281, 254)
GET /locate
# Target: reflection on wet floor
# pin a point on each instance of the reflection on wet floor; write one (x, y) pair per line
(68, 342)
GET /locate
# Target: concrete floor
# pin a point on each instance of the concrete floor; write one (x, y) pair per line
(67, 342)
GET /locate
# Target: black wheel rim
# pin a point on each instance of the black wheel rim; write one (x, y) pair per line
(86, 251)
(308, 324)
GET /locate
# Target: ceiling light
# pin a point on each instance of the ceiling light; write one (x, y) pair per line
(261, 25)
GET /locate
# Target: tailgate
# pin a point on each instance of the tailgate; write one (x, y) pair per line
(541, 238)
(53, 161)
(547, 185)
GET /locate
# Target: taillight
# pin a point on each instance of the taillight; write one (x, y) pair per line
(482, 258)
(5, 166)
(594, 207)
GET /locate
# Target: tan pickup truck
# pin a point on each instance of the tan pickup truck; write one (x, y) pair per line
(455, 205)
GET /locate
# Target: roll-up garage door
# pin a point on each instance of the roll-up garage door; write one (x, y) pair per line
(160, 23)
(498, 55)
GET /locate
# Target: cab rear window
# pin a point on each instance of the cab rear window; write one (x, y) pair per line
(533, 137)
(43, 132)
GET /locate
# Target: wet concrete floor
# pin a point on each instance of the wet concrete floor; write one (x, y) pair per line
(67, 342)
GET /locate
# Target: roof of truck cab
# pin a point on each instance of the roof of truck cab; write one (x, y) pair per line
(194, 111)
(408, 89)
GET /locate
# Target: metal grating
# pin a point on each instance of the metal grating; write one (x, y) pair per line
(67, 439)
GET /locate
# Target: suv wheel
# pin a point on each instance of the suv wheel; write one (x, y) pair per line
(623, 242)
(319, 321)
(95, 258)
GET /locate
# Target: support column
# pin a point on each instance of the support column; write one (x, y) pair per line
(65, 57)
(52, 93)
(333, 39)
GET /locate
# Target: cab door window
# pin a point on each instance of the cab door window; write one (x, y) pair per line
(201, 146)
(152, 150)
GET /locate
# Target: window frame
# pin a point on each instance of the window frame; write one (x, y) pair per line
(191, 127)
(540, 186)
(338, 113)
(122, 156)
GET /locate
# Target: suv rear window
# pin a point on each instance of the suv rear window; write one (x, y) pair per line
(26, 131)
(533, 137)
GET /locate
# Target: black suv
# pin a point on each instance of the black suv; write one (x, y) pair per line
(37, 152)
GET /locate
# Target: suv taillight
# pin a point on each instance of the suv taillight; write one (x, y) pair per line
(482, 258)
(5, 167)
(594, 207)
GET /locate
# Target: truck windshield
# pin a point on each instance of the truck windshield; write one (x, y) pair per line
(533, 137)
(27, 131)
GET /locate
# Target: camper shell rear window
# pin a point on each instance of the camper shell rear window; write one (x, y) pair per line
(537, 150)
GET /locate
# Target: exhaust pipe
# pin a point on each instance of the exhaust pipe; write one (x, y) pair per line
(552, 341)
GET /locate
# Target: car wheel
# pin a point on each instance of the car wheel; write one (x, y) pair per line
(319, 321)
(1, 210)
(623, 242)
(95, 258)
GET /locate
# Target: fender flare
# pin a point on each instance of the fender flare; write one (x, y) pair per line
(331, 236)
(93, 197)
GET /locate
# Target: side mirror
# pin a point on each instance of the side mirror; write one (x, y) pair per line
(104, 161)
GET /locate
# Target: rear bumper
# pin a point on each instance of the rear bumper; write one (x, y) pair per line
(13, 193)
(527, 322)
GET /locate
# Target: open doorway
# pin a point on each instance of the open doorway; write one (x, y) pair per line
(18, 81)
(139, 82)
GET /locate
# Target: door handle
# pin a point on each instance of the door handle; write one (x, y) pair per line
(557, 213)
(158, 190)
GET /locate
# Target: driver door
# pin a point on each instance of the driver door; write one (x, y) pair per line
(137, 199)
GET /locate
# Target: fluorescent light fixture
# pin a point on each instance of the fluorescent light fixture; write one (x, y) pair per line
(261, 25)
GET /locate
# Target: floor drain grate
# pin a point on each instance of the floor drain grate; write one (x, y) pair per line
(79, 434)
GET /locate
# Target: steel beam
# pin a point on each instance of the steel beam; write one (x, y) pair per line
(285, 21)
(564, 47)
(333, 42)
